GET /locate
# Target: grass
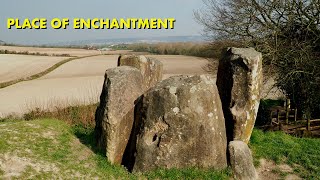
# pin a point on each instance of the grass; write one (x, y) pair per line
(303, 154)
(189, 173)
(76, 124)
(50, 149)
(53, 149)
(40, 74)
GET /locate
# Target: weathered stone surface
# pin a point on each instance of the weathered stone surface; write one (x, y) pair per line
(241, 161)
(151, 69)
(239, 82)
(182, 125)
(115, 114)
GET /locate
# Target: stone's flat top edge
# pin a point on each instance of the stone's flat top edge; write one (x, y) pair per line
(122, 69)
(141, 58)
(245, 52)
(182, 79)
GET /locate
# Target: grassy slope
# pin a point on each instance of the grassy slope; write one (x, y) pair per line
(64, 151)
(303, 154)
(46, 149)
(49, 150)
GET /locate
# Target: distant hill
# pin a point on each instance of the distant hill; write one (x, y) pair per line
(116, 41)
(132, 40)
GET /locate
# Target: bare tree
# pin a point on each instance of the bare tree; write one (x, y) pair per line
(287, 32)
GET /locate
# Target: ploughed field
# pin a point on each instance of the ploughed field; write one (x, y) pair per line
(21, 66)
(76, 82)
(177, 65)
(60, 51)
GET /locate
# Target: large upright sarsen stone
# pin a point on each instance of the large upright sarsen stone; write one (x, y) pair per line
(151, 69)
(239, 82)
(182, 125)
(115, 114)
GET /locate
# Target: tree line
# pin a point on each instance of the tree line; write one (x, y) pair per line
(287, 32)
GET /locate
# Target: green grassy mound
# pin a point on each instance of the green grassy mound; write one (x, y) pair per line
(303, 154)
(51, 149)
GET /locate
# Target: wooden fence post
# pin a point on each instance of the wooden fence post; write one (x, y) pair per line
(278, 116)
(288, 106)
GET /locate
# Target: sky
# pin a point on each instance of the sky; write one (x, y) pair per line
(181, 10)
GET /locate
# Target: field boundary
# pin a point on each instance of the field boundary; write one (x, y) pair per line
(43, 73)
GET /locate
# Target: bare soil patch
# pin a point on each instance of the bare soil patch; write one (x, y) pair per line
(270, 170)
(15, 166)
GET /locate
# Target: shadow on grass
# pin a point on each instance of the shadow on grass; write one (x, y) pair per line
(86, 135)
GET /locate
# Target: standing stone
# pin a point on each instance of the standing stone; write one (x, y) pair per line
(241, 161)
(182, 125)
(151, 69)
(239, 82)
(115, 114)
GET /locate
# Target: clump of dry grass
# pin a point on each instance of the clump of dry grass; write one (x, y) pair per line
(74, 115)
(74, 111)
